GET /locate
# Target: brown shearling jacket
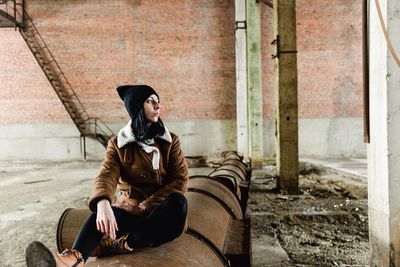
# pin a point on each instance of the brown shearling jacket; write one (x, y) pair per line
(129, 163)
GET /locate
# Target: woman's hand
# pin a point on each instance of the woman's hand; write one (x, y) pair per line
(134, 210)
(105, 220)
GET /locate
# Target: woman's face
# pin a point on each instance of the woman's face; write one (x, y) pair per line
(152, 108)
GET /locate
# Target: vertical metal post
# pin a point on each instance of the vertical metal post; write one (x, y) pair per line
(15, 14)
(84, 147)
(83, 144)
(95, 126)
(365, 60)
(23, 13)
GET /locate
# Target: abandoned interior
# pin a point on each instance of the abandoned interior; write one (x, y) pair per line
(288, 114)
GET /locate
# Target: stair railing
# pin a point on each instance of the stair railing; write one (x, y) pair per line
(58, 79)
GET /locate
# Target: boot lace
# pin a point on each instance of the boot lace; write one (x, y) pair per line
(116, 246)
(74, 253)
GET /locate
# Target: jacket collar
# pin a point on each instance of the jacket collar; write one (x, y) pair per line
(126, 136)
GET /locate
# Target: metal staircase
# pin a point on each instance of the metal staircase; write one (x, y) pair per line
(88, 126)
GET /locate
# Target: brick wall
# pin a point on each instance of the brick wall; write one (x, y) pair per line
(186, 50)
(329, 58)
(26, 95)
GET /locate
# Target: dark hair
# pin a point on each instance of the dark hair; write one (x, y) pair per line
(143, 129)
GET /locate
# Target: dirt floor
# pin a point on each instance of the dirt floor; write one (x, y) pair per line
(326, 225)
(33, 197)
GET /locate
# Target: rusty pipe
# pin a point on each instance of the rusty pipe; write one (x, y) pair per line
(365, 63)
(208, 227)
(187, 248)
(212, 223)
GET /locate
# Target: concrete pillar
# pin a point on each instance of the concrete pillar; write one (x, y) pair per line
(384, 147)
(285, 71)
(241, 78)
(256, 146)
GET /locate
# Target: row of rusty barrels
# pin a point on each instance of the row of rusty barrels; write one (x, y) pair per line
(214, 201)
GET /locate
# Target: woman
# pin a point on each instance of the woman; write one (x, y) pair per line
(146, 157)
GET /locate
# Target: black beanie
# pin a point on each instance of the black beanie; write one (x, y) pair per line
(134, 97)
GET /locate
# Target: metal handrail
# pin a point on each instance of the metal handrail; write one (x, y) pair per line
(104, 124)
(99, 126)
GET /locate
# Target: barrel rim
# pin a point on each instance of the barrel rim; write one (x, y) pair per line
(236, 186)
(235, 162)
(227, 167)
(233, 175)
(192, 232)
(60, 226)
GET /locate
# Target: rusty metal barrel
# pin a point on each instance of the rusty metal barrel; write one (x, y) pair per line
(214, 202)
(227, 174)
(187, 250)
(228, 182)
(231, 155)
(218, 192)
(237, 165)
(69, 225)
(232, 169)
(211, 208)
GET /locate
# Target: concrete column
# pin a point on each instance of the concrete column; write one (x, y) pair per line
(241, 78)
(285, 71)
(384, 148)
(256, 147)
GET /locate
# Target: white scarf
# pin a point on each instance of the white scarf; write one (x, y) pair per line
(126, 136)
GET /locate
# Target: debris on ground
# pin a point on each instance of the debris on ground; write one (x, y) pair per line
(325, 225)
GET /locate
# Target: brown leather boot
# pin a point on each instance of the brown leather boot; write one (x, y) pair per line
(38, 254)
(68, 258)
(111, 247)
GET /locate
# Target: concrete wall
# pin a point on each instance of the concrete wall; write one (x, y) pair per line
(61, 141)
(323, 137)
(329, 79)
(186, 50)
(329, 58)
(384, 149)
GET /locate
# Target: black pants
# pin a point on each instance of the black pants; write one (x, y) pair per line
(163, 224)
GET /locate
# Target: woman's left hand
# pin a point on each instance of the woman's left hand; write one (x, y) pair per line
(134, 210)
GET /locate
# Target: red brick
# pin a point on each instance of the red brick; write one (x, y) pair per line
(186, 51)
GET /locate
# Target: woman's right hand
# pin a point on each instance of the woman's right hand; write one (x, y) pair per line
(105, 220)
